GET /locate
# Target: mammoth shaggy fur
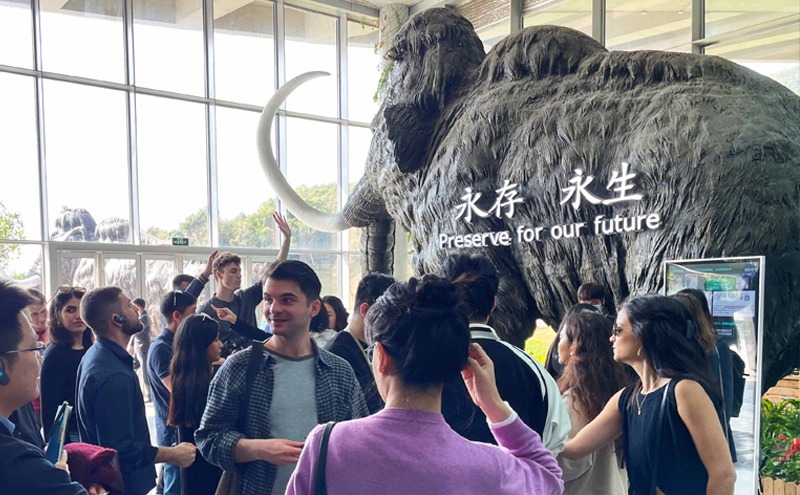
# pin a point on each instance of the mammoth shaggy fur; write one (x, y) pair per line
(716, 148)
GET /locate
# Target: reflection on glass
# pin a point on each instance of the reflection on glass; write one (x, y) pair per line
(576, 14)
(76, 271)
(121, 272)
(84, 39)
(172, 170)
(312, 173)
(195, 268)
(86, 145)
(656, 25)
(311, 46)
(158, 276)
(16, 34)
(246, 200)
(168, 46)
(724, 16)
(22, 263)
(363, 70)
(327, 268)
(19, 198)
(244, 51)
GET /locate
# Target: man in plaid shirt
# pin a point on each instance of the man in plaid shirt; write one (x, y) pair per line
(297, 386)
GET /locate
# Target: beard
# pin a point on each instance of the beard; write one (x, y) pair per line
(132, 327)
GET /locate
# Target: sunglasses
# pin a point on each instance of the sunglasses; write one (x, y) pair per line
(67, 289)
(38, 350)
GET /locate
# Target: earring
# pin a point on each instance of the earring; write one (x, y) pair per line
(639, 352)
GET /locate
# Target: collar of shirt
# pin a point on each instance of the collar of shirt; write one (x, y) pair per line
(167, 335)
(478, 330)
(321, 356)
(8, 424)
(118, 351)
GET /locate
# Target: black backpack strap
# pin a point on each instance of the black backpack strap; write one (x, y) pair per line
(256, 351)
(320, 485)
(660, 430)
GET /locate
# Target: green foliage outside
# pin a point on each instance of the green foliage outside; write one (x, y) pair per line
(780, 440)
(539, 343)
(10, 228)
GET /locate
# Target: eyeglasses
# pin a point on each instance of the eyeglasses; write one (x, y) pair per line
(38, 350)
(370, 351)
(67, 289)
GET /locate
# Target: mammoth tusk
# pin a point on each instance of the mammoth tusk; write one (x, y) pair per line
(326, 222)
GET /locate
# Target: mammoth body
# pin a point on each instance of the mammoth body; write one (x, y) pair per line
(715, 148)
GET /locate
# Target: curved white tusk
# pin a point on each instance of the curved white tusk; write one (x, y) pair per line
(326, 222)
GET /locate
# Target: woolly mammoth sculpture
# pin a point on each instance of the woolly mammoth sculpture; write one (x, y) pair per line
(579, 134)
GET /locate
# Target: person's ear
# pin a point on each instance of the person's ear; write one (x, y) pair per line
(315, 305)
(176, 316)
(362, 310)
(385, 361)
(494, 304)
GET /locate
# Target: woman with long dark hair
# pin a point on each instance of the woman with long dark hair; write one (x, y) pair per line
(590, 377)
(337, 314)
(196, 348)
(70, 338)
(719, 355)
(673, 440)
(420, 340)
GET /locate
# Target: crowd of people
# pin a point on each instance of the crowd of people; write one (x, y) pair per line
(412, 391)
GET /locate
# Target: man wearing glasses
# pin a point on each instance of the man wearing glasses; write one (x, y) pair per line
(23, 467)
(175, 307)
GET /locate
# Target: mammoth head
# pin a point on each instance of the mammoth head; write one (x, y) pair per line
(435, 56)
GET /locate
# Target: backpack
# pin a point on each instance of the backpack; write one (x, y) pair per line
(738, 383)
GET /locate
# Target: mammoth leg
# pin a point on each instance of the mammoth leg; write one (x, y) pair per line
(377, 246)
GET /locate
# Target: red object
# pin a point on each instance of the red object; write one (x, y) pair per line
(91, 464)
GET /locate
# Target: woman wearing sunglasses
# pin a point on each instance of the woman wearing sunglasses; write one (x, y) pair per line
(69, 340)
(673, 439)
(420, 336)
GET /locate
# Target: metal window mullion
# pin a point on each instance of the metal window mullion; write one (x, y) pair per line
(211, 124)
(44, 213)
(515, 16)
(599, 21)
(280, 80)
(130, 103)
(698, 25)
(343, 142)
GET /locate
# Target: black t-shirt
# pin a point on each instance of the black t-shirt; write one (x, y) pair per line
(344, 345)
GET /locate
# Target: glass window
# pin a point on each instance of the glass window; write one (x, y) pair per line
(21, 262)
(723, 16)
(774, 53)
(312, 172)
(363, 70)
(654, 25)
(121, 272)
(576, 14)
(327, 268)
(246, 201)
(173, 185)
(168, 46)
(16, 33)
(244, 52)
(491, 35)
(87, 159)
(311, 46)
(356, 263)
(195, 267)
(77, 271)
(158, 275)
(19, 198)
(84, 39)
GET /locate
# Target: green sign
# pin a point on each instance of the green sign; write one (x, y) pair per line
(180, 241)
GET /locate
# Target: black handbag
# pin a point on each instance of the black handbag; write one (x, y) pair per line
(320, 486)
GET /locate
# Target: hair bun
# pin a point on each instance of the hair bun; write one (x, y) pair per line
(436, 293)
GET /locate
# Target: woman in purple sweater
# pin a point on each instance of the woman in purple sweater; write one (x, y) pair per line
(420, 338)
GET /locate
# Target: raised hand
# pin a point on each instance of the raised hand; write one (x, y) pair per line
(283, 225)
(479, 378)
(225, 314)
(210, 265)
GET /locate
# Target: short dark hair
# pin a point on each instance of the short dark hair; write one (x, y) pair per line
(139, 302)
(477, 277)
(59, 335)
(300, 273)
(175, 300)
(591, 291)
(701, 298)
(38, 297)
(423, 325)
(181, 279)
(98, 305)
(371, 287)
(13, 300)
(319, 322)
(224, 259)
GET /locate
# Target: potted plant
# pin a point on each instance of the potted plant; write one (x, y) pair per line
(780, 443)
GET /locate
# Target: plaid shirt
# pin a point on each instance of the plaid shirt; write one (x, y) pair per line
(338, 396)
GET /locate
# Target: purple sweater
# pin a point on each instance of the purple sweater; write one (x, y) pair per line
(402, 451)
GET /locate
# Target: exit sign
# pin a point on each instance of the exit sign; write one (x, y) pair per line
(180, 241)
